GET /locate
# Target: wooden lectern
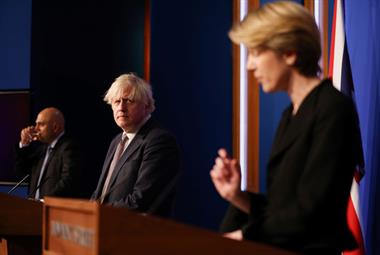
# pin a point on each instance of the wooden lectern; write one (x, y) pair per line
(73, 226)
(20, 225)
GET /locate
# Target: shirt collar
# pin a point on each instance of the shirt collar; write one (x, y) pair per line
(53, 143)
(131, 135)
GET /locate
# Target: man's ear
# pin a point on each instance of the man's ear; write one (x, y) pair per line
(290, 57)
(55, 127)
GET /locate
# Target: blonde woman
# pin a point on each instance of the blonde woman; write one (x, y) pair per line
(313, 157)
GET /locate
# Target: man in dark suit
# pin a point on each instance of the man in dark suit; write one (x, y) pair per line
(142, 164)
(49, 156)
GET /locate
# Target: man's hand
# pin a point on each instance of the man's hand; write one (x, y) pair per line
(235, 235)
(28, 135)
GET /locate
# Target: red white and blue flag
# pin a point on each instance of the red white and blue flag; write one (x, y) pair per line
(340, 71)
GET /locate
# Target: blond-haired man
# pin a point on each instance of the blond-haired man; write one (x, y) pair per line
(142, 162)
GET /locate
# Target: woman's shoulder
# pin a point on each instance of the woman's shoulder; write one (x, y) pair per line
(330, 98)
(333, 106)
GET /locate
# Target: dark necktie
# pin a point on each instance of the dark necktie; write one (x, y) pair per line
(47, 155)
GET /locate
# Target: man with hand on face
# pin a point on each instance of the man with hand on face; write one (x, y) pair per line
(49, 156)
(143, 161)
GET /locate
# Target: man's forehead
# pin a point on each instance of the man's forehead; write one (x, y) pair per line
(125, 93)
(40, 121)
(41, 118)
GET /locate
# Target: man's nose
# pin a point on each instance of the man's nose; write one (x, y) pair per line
(123, 105)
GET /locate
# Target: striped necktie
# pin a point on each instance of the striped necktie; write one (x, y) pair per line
(119, 151)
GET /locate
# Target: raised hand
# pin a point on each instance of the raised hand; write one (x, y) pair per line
(28, 135)
(226, 177)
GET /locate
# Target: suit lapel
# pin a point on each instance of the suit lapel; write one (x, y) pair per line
(107, 164)
(51, 155)
(280, 133)
(47, 163)
(291, 127)
(130, 150)
(37, 170)
(34, 181)
(53, 151)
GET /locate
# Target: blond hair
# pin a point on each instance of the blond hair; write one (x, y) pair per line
(283, 27)
(140, 89)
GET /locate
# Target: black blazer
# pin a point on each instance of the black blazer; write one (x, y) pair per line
(63, 169)
(309, 176)
(145, 176)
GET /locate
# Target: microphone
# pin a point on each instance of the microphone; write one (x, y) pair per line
(18, 184)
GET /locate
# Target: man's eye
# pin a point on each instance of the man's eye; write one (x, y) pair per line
(116, 102)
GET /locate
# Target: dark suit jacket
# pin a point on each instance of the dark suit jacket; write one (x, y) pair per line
(145, 176)
(309, 176)
(62, 172)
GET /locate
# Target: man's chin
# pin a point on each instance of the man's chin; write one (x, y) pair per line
(123, 125)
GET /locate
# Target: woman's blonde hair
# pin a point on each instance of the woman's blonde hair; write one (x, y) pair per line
(141, 90)
(283, 27)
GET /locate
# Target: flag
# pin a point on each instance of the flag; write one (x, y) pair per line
(340, 71)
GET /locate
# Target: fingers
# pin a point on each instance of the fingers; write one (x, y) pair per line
(218, 173)
(223, 158)
(235, 235)
(223, 164)
(235, 166)
(28, 135)
(216, 180)
(222, 167)
(25, 136)
(221, 173)
(226, 176)
(223, 153)
(220, 183)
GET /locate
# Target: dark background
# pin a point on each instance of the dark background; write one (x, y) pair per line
(76, 50)
(67, 53)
